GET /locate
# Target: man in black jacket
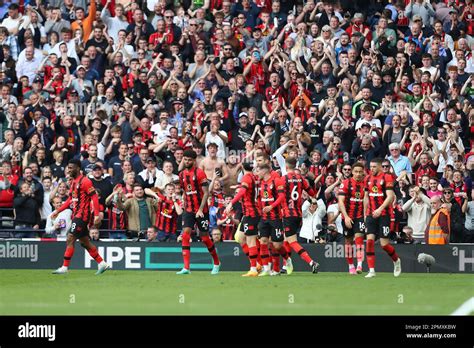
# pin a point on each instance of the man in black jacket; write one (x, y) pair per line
(34, 185)
(27, 216)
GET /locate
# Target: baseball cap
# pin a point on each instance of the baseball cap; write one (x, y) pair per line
(365, 124)
(151, 159)
(138, 133)
(243, 114)
(453, 10)
(38, 79)
(80, 67)
(96, 166)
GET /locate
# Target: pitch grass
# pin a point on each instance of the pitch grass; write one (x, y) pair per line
(38, 292)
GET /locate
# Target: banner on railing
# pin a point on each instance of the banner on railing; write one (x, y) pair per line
(123, 255)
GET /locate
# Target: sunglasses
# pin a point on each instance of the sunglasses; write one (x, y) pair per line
(337, 143)
(168, 16)
(347, 169)
(193, 25)
(385, 166)
(447, 192)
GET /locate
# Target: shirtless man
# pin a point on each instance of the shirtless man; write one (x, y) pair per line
(211, 164)
(234, 167)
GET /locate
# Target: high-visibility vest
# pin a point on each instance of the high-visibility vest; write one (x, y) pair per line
(435, 233)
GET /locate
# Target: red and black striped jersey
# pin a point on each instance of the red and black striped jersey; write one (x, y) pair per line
(292, 186)
(268, 192)
(81, 194)
(192, 182)
(217, 199)
(118, 218)
(228, 227)
(166, 215)
(377, 187)
(249, 200)
(354, 192)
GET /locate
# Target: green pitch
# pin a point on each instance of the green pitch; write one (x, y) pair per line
(38, 292)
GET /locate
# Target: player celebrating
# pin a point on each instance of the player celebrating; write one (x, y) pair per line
(291, 187)
(270, 225)
(195, 194)
(81, 196)
(351, 206)
(250, 219)
(378, 197)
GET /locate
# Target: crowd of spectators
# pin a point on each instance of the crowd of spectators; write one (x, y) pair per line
(127, 86)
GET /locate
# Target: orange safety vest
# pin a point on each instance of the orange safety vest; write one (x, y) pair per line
(435, 233)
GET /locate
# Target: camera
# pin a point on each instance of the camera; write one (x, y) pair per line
(218, 172)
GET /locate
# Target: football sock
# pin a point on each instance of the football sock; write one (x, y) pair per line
(348, 252)
(245, 249)
(370, 253)
(301, 252)
(359, 242)
(390, 250)
(95, 254)
(287, 247)
(186, 246)
(259, 258)
(276, 260)
(212, 249)
(283, 253)
(264, 254)
(68, 255)
(253, 252)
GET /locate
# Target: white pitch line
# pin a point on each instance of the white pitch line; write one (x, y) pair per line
(466, 308)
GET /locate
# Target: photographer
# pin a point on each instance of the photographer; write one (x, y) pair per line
(314, 211)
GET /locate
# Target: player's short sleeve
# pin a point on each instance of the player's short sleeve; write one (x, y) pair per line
(202, 178)
(342, 191)
(246, 182)
(306, 185)
(280, 184)
(366, 184)
(88, 187)
(389, 182)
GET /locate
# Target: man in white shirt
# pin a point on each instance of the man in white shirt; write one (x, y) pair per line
(217, 137)
(30, 66)
(114, 24)
(418, 209)
(12, 22)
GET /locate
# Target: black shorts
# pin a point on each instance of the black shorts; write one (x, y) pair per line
(249, 225)
(357, 227)
(292, 225)
(190, 220)
(379, 226)
(79, 228)
(271, 228)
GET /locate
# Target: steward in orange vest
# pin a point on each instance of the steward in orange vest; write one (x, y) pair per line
(437, 231)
